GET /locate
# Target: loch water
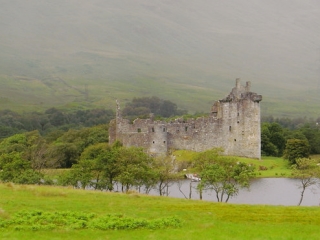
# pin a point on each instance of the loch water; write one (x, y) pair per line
(268, 191)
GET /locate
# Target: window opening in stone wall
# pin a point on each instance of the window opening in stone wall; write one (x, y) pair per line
(164, 141)
(235, 140)
(238, 114)
(238, 121)
(152, 129)
(230, 128)
(164, 129)
(153, 142)
(186, 129)
(139, 129)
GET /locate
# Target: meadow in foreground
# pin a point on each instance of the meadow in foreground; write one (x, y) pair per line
(197, 219)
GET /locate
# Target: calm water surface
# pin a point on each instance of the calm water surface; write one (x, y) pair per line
(271, 191)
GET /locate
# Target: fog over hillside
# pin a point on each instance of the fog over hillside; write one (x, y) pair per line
(187, 51)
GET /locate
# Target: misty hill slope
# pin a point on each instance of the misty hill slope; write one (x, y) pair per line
(88, 53)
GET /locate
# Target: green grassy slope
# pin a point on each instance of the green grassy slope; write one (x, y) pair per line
(200, 219)
(188, 52)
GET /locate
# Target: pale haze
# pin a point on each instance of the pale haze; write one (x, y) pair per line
(193, 47)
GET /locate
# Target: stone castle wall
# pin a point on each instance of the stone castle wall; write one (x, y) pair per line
(234, 125)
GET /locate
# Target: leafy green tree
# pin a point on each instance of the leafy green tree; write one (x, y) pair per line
(272, 139)
(307, 172)
(165, 168)
(224, 175)
(296, 148)
(69, 146)
(312, 133)
(65, 154)
(83, 173)
(142, 107)
(13, 168)
(15, 143)
(37, 154)
(168, 109)
(267, 147)
(6, 131)
(29, 176)
(56, 117)
(135, 167)
(204, 159)
(105, 165)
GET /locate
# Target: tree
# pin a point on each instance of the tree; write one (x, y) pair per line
(296, 148)
(165, 167)
(135, 168)
(15, 143)
(13, 168)
(105, 165)
(37, 152)
(225, 177)
(204, 159)
(312, 133)
(142, 107)
(267, 147)
(272, 139)
(168, 109)
(65, 154)
(69, 146)
(307, 172)
(79, 176)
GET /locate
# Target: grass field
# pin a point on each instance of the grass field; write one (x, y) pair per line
(200, 219)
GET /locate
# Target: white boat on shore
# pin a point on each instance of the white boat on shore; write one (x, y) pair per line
(193, 177)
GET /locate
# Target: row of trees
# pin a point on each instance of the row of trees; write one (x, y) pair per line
(96, 164)
(56, 150)
(51, 120)
(275, 139)
(54, 119)
(291, 123)
(102, 166)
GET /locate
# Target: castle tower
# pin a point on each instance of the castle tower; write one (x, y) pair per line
(158, 139)
(241, 122)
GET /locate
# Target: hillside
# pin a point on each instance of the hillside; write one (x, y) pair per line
(81, 53)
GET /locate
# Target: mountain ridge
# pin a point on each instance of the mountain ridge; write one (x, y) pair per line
(185, 51)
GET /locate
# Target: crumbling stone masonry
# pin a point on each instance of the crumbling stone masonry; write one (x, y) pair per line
(234, 125)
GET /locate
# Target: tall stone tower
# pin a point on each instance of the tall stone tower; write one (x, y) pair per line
(240, 116)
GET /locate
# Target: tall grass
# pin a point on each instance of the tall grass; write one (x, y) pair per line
(199, 219)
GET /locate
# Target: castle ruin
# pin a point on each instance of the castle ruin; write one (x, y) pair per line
(234, 125)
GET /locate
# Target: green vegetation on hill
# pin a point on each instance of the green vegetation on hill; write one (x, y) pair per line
(87, 54)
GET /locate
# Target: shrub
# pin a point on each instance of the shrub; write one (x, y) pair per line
(38, 220)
